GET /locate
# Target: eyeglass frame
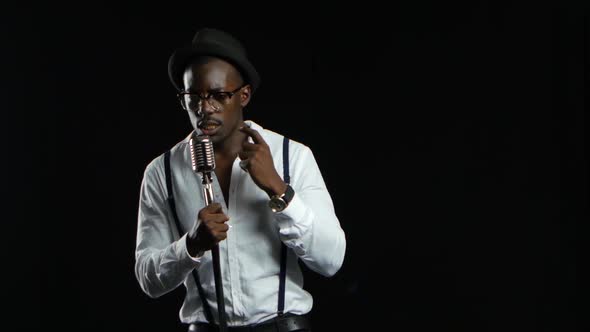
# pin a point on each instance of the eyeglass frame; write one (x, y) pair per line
(208, 96)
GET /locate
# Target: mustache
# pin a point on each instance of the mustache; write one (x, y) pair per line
(201, 123)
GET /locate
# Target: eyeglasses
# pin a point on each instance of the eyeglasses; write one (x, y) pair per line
(194, 101)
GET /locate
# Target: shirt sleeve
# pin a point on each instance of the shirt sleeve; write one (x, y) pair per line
(161, 263)
(309, 224)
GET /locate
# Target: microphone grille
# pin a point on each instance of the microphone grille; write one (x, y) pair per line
(202, 157)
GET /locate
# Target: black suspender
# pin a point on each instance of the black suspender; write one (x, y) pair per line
(283, 271)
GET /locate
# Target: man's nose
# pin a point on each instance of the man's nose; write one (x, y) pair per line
(206, 107)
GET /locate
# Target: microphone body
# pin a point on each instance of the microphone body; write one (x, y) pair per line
(203, 161)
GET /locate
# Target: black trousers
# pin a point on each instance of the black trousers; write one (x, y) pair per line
(286, 323)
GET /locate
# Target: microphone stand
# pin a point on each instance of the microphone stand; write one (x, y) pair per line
(208, 193)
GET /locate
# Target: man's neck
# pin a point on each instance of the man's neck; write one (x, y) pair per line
(229, 148)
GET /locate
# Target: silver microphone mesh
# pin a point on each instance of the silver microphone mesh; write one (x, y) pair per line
(202, 157)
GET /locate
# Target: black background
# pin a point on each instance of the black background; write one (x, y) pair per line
(450, 137)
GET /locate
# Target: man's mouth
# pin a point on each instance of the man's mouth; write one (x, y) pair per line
(209, 126)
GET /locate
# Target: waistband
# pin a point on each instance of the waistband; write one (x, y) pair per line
(283, 323)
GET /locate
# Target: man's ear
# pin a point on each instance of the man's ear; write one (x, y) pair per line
(245, 95)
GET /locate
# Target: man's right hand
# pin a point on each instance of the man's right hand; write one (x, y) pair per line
(212, 229)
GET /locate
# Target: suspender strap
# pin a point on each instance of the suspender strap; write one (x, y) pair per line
(283, 272)
(172, 204)
(286, 176)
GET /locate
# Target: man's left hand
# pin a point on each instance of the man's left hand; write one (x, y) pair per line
(257, 160)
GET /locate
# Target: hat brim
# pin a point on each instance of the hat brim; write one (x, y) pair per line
(181, 57)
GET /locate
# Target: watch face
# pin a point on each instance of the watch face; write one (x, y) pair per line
(277, 204)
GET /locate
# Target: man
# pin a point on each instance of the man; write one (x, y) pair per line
(267, 191)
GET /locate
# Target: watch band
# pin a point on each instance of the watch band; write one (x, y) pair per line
(280, 202)
(288, 195)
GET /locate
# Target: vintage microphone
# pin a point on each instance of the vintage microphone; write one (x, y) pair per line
(203, 161)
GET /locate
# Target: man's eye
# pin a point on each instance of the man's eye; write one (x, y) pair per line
(219, 96)
(191, 99)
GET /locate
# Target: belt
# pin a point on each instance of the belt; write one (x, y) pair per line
(284, 323)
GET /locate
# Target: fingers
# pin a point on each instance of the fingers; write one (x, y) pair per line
(224, 227)
(213, 213)
(254, 134)
(219, 218)
(212, 227)
(213, 208)
(244, 155)
(211, 234)
(245, 158)
(218, 231)
(247, 146)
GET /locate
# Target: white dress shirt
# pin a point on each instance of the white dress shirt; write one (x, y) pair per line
(250, 254)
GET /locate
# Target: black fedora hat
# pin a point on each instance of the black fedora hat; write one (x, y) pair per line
(217, 43)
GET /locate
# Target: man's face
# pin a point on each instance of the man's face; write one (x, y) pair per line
(216, 96)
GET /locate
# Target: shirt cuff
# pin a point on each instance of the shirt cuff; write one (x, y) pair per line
(182, 252)
(293, 220)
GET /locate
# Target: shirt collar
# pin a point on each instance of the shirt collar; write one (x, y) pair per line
(250, 123)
